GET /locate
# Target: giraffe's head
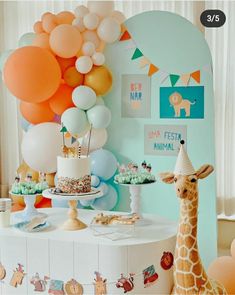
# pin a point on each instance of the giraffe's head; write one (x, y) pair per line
(186, 185)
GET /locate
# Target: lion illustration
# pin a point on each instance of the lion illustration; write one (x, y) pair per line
(177, 101)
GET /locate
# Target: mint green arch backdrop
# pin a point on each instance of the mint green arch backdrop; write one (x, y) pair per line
(174, 44)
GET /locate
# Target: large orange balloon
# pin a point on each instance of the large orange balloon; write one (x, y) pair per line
(65, 17)
(42, 40)
(65, 40)
(99, 79)
(49, 22)
(65, 63)
(72, 77)
(37, 27)
(36, 113)
(233, 249)
(62, 99)
(32, 74)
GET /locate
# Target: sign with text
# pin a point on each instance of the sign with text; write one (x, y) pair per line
(163, 140)
(136, 96)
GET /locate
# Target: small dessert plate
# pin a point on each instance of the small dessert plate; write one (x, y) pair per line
(23, 226)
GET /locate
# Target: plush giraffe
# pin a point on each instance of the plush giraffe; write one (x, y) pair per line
(189, 274)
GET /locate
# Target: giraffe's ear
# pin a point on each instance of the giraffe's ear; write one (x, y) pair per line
(167, 177)
(204, 171)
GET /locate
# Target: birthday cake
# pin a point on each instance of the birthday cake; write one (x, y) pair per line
(131, 174)
(74, 175)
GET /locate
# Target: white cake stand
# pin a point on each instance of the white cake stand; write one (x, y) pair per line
(73, 223)
(135, 195)
(29, 211)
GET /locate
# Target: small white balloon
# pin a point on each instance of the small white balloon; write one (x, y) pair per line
(99, 116)
(118, 16)
(78, 23)
(98, 139)
(109, 30)
(81, 11)
(99, 100)
(91, 21)
(98, 58)
(91, 36)
(84, 64)
(101, 8)
(84, 97)
(88, 48)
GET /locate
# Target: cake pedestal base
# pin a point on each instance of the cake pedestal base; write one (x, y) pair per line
(73, 223)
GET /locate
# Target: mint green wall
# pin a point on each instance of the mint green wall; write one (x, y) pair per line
(175, 45)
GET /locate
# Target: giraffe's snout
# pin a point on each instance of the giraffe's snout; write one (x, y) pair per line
(182, 192)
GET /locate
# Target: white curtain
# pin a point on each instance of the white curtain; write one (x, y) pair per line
(17, 18)
(222, 45)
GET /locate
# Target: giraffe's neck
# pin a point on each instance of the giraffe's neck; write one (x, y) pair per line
(187, 259)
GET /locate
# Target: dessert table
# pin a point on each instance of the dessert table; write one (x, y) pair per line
(64, 255)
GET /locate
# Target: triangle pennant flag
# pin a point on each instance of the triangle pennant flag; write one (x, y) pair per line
(125, 36)
(174, 79)
(185, 79)
(137, 54)
(67, 135)
(73, 140)
(144, 62)
(196, 76)
(162, 75)
(63, 129)
(152, 70)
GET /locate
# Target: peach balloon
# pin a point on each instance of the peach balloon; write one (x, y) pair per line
(49, 22)
(24, 169)
(32, 74)
(65, 17)
(101, 46)
(65, 63)
(42, 40)
(72, 77)
(92, 37)
(233, 249)
(101, 8)
(37, 113)
(78, 23)
(99, 79)
(62, 99)
(223, 269)
(81, 11)
(65, 40)
(37, 27)
(118, 16)
(45, 14)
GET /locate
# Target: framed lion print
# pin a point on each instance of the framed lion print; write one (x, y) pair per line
(182, 102)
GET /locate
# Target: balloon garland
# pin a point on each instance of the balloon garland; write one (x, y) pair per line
(59, 75)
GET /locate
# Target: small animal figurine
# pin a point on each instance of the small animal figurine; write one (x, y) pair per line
(126, 283)
(28, 178)
(2, 272)
(100, 285)
(39, 284)
(149, 168)
(56, 287)
(144, 165)
(135, 168)
(121, 168)
(167, 260)
(17, 179)
(72, 287)
(150, 276)
(69, 152)
(18, 276)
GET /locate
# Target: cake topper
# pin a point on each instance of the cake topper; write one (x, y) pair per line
(89, 141)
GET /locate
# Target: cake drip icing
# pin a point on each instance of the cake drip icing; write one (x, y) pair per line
(74, 185)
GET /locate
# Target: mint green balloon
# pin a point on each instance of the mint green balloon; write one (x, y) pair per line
(26, 39)
(75, 120)
(3, 58)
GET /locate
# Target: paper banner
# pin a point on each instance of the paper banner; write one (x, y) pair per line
(144, 62)
(174, 79)
(152, 70)
(63, 129)
(73, 140)
(125, 36)
(137, 54)
(185, 79)
(150, 276)
(131, 44)
(162, 75)
(196, 76)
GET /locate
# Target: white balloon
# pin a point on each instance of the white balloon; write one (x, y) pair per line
(92, 37)
(99, 100)
(84, 64)
(91, 21)
(41, 145)
(88, 48)
(84, 97)
(109, 30)
(99, 116)
(118, 16)
(101, 8)
(81, 11)
(78, 23)
(98, 139)
(98, 58)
